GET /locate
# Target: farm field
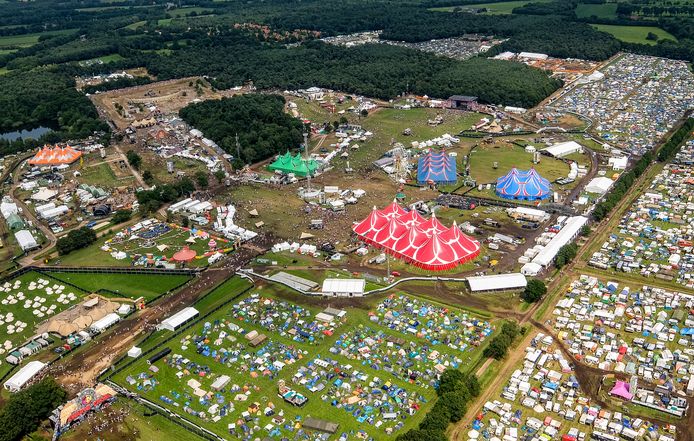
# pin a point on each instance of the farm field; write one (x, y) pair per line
(492, 8)
(26, 40)
(350, 368)
(605, 10)
(634, 34)
(132, 286)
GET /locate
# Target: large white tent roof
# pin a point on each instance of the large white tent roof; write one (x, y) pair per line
(563, 237)
(344, 285)
(497, 282)
(563, 149)
(176, 320)
(599, 185)
(24, 375)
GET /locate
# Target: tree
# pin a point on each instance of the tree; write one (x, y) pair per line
(133, 159)
(534, 291)
(585, 231)
(220, 175)
(364, 113)
(201, 179)
(456, 404)
(75, 239)
(148, 177)
(121, 216)
(25, 410)
(652, 36)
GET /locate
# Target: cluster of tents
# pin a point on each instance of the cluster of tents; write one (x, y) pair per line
(425, 243)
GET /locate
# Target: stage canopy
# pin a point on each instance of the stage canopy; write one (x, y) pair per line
(425, 243)
(521, 184)
(294, 164)
(436, 168)
(184, 255)
(55, 156)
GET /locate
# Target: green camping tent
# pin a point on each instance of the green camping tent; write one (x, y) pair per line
(294, 164)
(15, 222)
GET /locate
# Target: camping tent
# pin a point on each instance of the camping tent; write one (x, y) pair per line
(294, 164)
(521, 184)
(425, 243)
(437, 168)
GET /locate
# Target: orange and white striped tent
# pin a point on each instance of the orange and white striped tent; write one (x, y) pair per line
(55, 156)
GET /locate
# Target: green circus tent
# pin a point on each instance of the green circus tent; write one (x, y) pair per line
(294, 164)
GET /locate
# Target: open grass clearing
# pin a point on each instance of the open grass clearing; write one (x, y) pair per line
(492, 8)
(634, 34)
(26, 40)
(132, 286)
(604, 10)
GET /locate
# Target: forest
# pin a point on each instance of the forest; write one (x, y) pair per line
(380, 71)
(263, 127)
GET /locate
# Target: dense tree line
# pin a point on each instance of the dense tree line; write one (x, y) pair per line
(626, 180)
(673, 145)
(380, 71)
(263, 127)
(119, 83)
(499, 344)
(49, 98)
(151, 200)
(557, 7)
(455, 390)
(23, 412)
(75, 240)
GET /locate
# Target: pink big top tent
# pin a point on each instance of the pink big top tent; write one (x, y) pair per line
(621, 390)
(425, 243)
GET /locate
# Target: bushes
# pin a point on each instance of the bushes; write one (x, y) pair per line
(121, 216)
(499, 345)
(75, 240)
(25, 410)
(455, 389)
(151, 200)
(534, 291)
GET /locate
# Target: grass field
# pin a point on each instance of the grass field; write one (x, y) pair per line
(182, 12)
(492, 8)
(14, 299)
(605, 10)
(129, 285)
(259, 384)
(508, 156)
(27, 40)
(101, 175)
(634, 34)
(174, 240)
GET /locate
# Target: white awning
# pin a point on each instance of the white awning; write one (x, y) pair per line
(344, 285)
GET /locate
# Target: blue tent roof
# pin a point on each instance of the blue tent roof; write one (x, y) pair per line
(436, 167)
(521, 184)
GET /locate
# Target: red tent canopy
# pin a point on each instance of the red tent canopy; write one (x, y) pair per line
(425, 243)
(185, 255)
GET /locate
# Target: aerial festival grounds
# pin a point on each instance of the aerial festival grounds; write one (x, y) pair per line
(262, 366)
